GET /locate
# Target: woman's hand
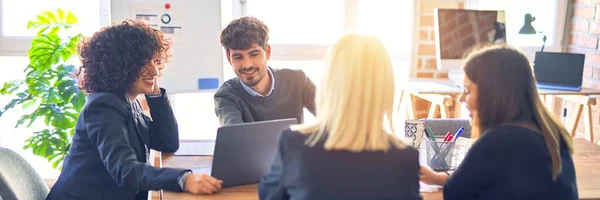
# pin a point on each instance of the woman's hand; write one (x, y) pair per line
(202, 184)
(428, 176)
(156, 89)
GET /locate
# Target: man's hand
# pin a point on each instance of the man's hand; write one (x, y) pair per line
(202, 184)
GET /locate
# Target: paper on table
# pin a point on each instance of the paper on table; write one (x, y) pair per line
(196, 149)
(428, 188)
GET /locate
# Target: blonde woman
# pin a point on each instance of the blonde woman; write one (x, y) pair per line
(347, 153)
(522, 151)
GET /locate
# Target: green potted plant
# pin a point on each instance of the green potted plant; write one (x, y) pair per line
(48, 91)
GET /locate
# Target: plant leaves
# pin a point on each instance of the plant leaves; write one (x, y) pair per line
(78, 101)
(22, 120)
(45, 51)
(51, 17)
(49, 88)
(53, 22)
(71, 19)
(58, 162)
(60, 14)
(53, 96)
(38, 86)
(29, 103)
(12, 104)
(10, 87)
(68, 89)
(32, 117)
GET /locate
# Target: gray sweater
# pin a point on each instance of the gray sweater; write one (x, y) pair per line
(292, 93)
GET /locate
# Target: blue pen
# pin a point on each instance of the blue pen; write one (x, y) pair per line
(460, 130)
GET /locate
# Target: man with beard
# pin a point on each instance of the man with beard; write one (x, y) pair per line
(259, 92)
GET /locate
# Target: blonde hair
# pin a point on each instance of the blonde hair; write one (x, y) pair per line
(355, 98)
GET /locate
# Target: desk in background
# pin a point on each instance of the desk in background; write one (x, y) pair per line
(586, 158)
(444, 94)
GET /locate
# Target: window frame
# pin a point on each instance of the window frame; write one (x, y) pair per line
(317, 51)
(19, 45)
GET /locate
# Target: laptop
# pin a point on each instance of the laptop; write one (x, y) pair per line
(243, 153)
(559, 71)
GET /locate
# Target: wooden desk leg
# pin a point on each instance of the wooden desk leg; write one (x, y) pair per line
(587, 120)
(156, 161)
(401, 109)
(432, 111)
(457, 107)
(409, 101)
(585, 104)
(444, 111)
(575, 120)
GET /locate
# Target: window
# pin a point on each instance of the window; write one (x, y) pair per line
(14, 15)
(393, 32)
(297, 37)
(550, 16)
(290, 23)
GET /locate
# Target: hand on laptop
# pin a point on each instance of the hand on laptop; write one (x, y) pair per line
(202, 184)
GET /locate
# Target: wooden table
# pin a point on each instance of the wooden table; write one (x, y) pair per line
(444, 94)
(586, 158)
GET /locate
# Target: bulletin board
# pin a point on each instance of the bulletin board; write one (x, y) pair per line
(194, 28)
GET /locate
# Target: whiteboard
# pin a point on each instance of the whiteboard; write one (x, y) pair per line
(194, 27)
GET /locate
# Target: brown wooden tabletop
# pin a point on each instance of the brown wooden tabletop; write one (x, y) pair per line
(586, 158)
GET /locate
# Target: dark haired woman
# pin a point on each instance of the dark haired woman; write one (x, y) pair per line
(109, 152)
(522, 152)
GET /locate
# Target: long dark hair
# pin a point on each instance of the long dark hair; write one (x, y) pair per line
(507, 94)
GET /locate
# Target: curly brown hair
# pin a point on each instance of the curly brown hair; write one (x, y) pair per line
(114, 57)
(241, 33)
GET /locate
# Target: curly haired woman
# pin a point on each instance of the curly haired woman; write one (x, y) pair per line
(110, 146)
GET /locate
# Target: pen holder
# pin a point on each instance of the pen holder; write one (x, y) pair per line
(439, 155)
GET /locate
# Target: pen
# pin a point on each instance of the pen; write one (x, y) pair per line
(430, 132)
(448, 137)
(460, 130)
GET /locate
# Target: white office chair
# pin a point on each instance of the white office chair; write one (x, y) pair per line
(18, 179)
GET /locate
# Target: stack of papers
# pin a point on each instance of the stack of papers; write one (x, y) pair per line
(428, 188)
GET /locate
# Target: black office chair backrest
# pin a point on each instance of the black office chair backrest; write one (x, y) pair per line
(18, 179)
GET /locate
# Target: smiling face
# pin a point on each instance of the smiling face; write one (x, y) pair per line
(250, 65)
(469, 96)
(146, 81)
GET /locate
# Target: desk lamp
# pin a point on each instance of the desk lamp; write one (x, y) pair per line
(528, 29)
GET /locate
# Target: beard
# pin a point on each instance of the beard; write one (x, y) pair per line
(253, 79)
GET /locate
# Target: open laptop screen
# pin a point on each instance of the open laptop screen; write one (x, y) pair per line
(561, 69)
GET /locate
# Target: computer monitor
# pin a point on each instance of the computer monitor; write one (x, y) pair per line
(458, 31)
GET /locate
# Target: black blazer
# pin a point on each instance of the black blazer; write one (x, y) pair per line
(108, 154)
(301, 172)
(511, 162)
